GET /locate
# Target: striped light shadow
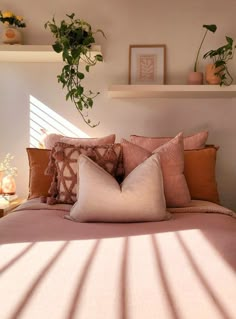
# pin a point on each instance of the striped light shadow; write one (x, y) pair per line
(203, 280)
(42, 118)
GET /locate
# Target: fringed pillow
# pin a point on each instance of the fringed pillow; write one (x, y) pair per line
(63, 167)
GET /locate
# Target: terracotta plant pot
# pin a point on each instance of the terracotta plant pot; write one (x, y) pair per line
(195, 78)
(11, 35)
(211, 77)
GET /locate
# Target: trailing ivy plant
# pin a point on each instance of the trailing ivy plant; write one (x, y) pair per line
(74, 39)
(220, 58)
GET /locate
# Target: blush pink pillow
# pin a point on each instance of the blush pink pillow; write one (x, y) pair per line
(172, 165)
(51, 139)
(192, 142)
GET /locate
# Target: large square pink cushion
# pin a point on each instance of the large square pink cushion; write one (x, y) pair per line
(192, 142)
(172, 165)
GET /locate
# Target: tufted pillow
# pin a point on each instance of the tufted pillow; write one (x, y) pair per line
(172, 164)
(51, 139)
(139, 198)
(63, 167)
(196, 141)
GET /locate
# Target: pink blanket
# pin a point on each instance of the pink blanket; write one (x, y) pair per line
(51, 267)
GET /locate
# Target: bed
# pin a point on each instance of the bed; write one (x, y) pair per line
(181, 268)
(173, 266)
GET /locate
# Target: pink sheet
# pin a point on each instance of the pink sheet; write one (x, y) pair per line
(51, 267)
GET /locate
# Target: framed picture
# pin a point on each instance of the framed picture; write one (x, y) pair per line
(147, 64)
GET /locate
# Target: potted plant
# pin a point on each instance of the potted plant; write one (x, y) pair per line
(196, 77)
(74, 39)
(11, 22)
(218, 72)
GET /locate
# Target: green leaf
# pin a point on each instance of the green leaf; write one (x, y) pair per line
(80, 75)
(71, 16)
(229, 40)
(87, 68)
(67, 96)
(210, 27)
(53, 28)
(219, 63)
(57, 47)
(99, 57)
(79, 105)
(90, 102)
(80, 90)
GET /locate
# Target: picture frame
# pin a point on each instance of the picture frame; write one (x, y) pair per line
(147, 64)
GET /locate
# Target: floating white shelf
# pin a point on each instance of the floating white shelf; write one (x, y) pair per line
(172, 91)
(34, 53)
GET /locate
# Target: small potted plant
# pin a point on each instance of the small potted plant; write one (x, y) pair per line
(196, 77)
(217, 72)
(12, 23)
(74, 40)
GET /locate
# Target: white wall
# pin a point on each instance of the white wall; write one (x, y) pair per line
(178, 24)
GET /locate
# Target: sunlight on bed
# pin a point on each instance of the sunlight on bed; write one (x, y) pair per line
(115, 274)
(44, 118)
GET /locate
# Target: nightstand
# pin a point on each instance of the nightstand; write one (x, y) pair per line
(6, 209)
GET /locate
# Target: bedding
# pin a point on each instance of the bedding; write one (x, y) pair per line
(191, 142)
(199, 171)
(181, 268)
(172, 164)
(102, 199)
(39, 183)
(63, 167)
(51, 139)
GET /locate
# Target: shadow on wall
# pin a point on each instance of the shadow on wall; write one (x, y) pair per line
(44, 120)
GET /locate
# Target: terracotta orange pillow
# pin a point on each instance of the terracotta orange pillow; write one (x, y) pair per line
(199, 171)
(39, 183)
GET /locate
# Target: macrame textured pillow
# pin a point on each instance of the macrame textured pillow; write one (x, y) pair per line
(63, 167)
(139, 198)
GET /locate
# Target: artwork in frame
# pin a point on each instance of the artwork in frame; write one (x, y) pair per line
(147, 64)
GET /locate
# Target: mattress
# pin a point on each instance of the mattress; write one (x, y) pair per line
(51, 267)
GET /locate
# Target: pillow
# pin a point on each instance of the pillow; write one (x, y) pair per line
(38, 182)
(63, 167)
(139, 198)
(51, 139)
(199, 170)
(196, 141)
(172, 164)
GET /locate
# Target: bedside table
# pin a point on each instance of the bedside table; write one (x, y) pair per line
(6, 209)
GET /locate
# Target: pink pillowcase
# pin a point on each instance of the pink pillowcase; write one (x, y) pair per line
(51, 139)
(196, 141)
(172, 164)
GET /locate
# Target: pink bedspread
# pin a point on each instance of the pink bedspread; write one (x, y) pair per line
(51, 267)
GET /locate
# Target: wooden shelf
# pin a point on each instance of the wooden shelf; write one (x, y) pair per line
(172, 91)
(34, 53)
